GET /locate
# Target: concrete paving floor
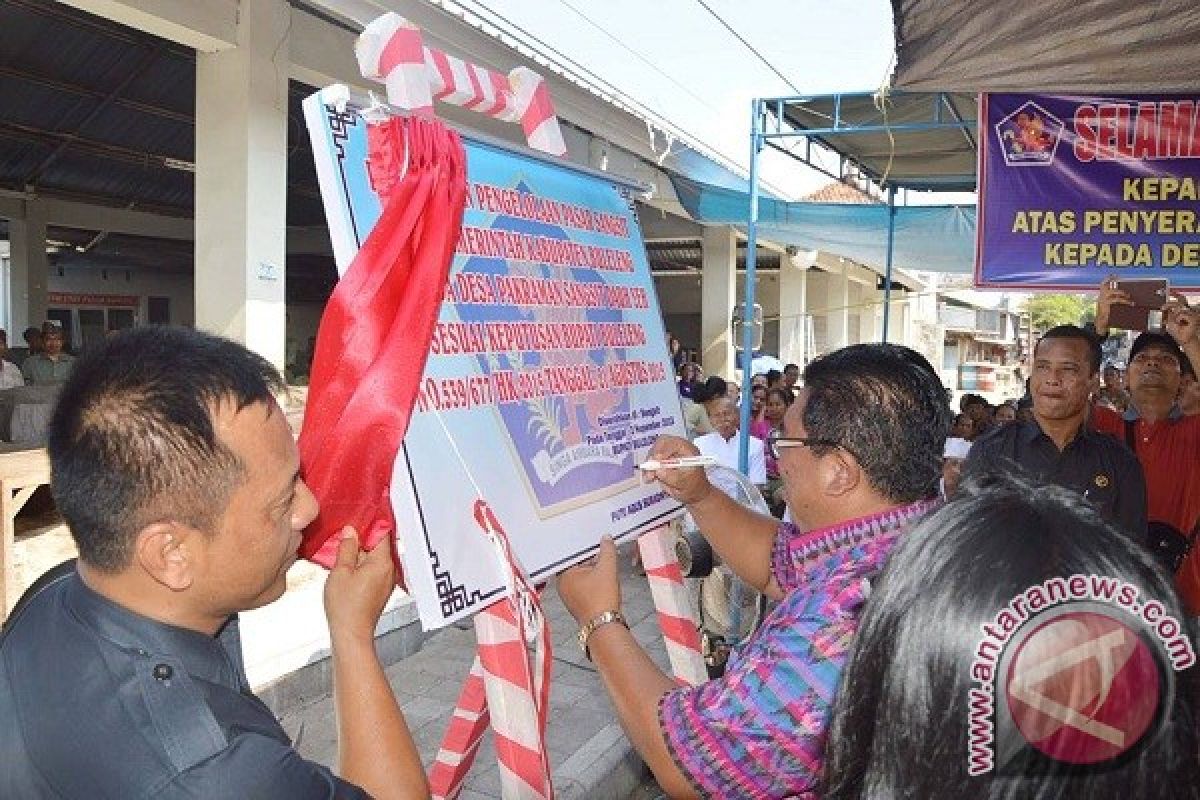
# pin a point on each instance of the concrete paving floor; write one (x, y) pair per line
(590, 755)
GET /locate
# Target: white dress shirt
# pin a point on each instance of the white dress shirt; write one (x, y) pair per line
(10, 375)
(726, 453)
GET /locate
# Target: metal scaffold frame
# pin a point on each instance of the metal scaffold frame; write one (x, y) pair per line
(826, 121)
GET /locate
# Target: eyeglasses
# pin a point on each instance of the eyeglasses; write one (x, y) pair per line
(776, 442)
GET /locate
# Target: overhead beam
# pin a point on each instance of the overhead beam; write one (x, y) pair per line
(113, 152)
(301, 241)
(83, 91)
(91, 217)
(209, 26)
(70, 214)
(323, 53)
(765, 244)
(12, 208)
(673, 240)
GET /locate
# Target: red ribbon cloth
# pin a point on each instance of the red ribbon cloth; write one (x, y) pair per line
(376, 330)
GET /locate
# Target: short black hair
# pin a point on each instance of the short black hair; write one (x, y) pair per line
(132, 439)
(786, 395)
(795, 367)
(969, 400)
(773, 375)
(886, 406)
(715, 386)
(1095, 354)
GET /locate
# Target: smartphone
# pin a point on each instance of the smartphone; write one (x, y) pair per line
(1148, 297)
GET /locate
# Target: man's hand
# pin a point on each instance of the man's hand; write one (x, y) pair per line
(358, 587)
(1109, 296)
(591, 588)
(375, 748)
(688, 485)
(1182, 322)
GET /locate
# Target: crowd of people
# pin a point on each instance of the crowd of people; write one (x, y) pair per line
(43, 361)
(910, 533)
(1021, 626)
(712, 419)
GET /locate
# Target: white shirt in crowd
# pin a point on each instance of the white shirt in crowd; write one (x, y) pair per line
(726, 454)
(10, 375)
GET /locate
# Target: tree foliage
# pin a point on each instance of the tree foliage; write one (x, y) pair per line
(1048, 310)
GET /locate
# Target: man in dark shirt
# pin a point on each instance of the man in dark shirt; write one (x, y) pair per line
(1057, 446)
(122, 678)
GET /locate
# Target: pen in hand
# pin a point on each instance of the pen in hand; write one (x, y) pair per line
(678, 463)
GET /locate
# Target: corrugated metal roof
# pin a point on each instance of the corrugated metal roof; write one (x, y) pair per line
(686, 255)
(93, 110)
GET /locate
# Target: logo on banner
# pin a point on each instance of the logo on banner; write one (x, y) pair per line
(569, 441)
(1029, 136)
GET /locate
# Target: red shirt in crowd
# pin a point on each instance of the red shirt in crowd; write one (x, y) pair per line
(1169, 451)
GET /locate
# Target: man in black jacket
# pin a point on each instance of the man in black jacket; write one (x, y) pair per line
(1057, 446)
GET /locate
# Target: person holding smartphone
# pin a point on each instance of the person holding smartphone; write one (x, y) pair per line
(1165, 441)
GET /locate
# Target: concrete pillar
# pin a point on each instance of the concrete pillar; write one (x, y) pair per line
(29, 270)
(719, 261)
(793, 309)
(837, 300)
(241, 182)
(875, 314)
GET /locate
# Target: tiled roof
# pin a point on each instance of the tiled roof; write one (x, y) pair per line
(838, 192)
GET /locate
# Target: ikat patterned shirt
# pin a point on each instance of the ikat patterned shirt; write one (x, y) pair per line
(759, 731)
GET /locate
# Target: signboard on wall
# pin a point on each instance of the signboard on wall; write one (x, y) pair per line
(1072, 189)
(548, 378)
(84, 299)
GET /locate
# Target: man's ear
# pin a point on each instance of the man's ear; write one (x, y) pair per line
(167, 552)
(839, 473)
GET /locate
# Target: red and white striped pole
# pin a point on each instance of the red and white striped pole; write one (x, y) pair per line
(670, 596)
(460, 745)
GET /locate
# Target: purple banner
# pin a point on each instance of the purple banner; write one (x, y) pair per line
(1072, 189)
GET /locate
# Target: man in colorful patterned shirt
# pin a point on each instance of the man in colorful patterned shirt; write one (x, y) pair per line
(860, 455)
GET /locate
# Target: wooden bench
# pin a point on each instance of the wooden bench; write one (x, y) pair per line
(22, 471)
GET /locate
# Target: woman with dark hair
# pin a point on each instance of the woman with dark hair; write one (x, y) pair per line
(697, 415)
(779, 399)
(675, 351)
(758, 406)
(963, 427)
(1009, 650)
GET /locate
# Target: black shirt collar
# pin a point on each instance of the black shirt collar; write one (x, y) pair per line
(1030, 431)
(216, 659)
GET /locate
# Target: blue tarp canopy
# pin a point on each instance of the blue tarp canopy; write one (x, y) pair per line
(929, 238)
